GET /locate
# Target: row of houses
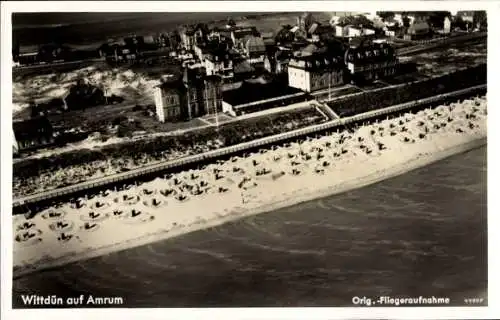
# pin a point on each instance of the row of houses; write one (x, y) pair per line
(221, 51)
(316, 68)
(415, 25)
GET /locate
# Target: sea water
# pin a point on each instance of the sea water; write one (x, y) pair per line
(420, 234)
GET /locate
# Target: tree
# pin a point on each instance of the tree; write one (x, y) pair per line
(386, 15)
(15, 50)
(436, 18)
(356, 21)
(231, 23)
(33, 109)
(406, 22)
(480, 19)
(460, 23)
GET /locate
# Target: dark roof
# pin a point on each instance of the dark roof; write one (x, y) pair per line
(214, 45)
(171, 85)
(188, 31)
(197, 76)
(318, 62)
(332, 47)
(356, 42)
(419, 25)
(212, 78)
(243, 66)
(252, 92)
(313, 28)
(255, 44)
(191, 29)
(393, 28)
(32, 129)
(283, 54)
(370, 53)
(248, 31)
(192, 75)
(342, 23)
(219, 54)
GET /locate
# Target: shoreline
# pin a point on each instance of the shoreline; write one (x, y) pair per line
(239, 213)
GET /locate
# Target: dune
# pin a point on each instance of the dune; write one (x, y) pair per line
(276, 177)
(123, 83)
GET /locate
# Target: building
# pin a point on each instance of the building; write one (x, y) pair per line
(392, 31)
(54, 52)
(368, 32)
(120, 51)
(255, 51)
(192, 35)
(219, 62)
(33, 133)
(211, 47)
(313, 70)
(202, 93)
(341, 30)
(334, 20)
(353, 32)
(319, 32)
(277, 63)
(298, 33)
(242, 69)
(306, 21)
(168, 101)
(447, 25)
(466, 16)
(26, 57)
(284, 36)
(240, 35)
(255, 96)
(417, 30)
(368, 61)
(399, 18)
(193, 95)
(162, 41)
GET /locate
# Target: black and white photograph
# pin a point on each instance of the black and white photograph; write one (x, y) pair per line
(246, 157)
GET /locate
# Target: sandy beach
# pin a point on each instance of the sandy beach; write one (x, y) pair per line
(247, 185)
